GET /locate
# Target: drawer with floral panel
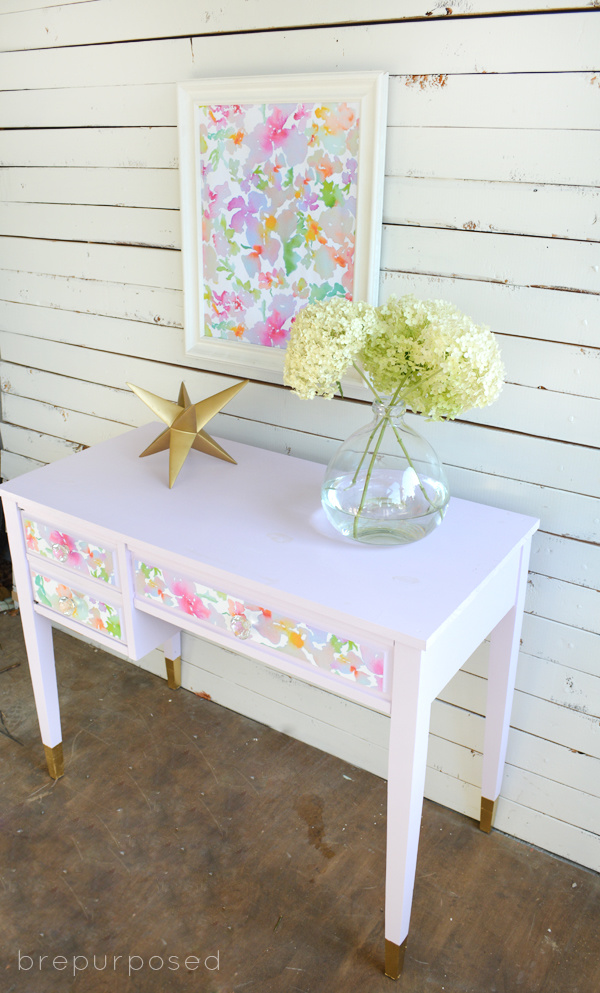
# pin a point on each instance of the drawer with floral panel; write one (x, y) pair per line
(68, 600)
(335, 653)
(79, 554)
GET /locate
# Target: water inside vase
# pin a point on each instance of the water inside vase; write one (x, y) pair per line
(397, 509)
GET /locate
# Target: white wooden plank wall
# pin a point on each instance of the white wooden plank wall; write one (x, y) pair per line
(491, 201)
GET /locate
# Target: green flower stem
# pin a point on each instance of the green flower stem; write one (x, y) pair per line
(364, 455)
(408, 459)
(370, 384)
(386, 417)
(368, 479)
(374, 431)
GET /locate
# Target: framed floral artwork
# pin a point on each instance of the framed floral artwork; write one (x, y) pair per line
(281, 206)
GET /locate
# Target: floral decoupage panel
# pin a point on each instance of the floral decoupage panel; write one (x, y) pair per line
(278, 206)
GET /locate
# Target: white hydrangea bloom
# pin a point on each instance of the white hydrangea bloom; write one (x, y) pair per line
(435, 357)
(325, 339)
(427, 352)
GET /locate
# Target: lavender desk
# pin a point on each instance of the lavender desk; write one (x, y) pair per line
(243, 556)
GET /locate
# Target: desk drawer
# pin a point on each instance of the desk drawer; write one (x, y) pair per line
(338, 654)
(74, 552)
(79, 606)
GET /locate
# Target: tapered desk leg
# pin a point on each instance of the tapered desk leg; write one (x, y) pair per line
(172, 649)
(409, 732)
(504, 655)
(37, 632)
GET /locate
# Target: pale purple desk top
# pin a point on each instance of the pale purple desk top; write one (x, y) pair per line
(262, 519)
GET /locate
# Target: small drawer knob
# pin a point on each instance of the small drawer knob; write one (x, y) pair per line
(240, 626)
(60, 551)
(66, 605)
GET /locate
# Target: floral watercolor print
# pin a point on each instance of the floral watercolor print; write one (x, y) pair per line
(79, 606)
(76, 553)
(278, 204)
(361, 664)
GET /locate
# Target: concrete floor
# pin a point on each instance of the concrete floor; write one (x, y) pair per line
(184, 833)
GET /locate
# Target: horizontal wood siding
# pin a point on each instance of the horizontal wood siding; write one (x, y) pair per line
(491, 200)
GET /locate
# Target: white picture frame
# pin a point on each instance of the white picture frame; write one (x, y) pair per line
(251, 150)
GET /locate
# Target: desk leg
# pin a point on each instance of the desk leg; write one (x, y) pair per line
(504, 655)
(37, 631)
(172, 650)
(409, 733)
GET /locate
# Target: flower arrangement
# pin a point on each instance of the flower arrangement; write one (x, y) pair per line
(422, 354)
(425, 351)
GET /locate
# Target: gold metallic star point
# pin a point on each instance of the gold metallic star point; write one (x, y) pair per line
(185, 425)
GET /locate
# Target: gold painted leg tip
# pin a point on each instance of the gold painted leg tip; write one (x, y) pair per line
(488, 812)
(394, 958)
(173, 673)
(55, 760)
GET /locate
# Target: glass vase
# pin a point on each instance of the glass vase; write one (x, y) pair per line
(385, 485)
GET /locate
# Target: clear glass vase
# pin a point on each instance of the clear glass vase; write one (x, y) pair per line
(385, 485)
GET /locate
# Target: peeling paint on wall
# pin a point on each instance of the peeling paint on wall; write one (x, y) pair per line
(427, 81)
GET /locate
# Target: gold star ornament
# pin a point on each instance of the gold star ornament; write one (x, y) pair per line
(185, 423)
